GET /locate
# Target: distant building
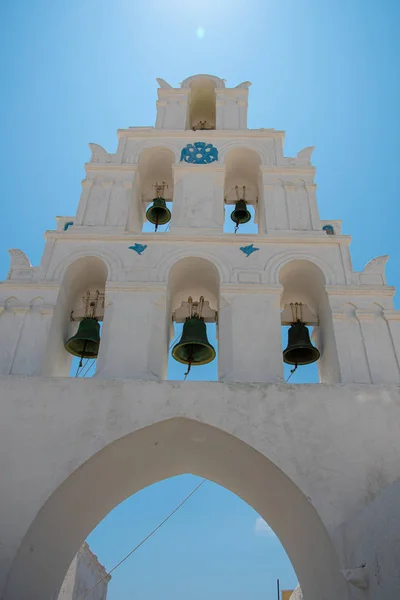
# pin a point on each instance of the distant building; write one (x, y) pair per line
(84, 572)
(292, 594)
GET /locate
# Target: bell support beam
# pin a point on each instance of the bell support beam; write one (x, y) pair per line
(134, 343)
(250, 346)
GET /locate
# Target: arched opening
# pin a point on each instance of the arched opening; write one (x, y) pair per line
(155, 188)
(190, 280)
(202, 104)
(242, 178)
(151, 454)
(81, 295)
(214, 528)
(304, 299)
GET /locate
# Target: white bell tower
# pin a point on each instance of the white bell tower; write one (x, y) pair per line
(148, 249)
(201, 153)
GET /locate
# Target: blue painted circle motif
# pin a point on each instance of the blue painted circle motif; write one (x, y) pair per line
(199, 153)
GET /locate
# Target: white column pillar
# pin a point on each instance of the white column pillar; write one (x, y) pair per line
(250, 340)
(161, 107)
(382, 360)
(11, 324)
(268, 211)
(198, 205)
(119, 204)
(80, 213)
(220, 110)
(352, 358)
(392, 318)
(275, 204)
(243, 104)
(31, 348)
(136, 207)
(312, 200)
(134, 342)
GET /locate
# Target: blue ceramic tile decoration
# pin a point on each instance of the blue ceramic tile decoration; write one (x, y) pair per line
(199, 153)
(139, 248)
(247, 250)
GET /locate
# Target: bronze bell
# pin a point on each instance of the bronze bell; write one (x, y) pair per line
(240, 215)
(85, 343)
(193, 348)
(158, 213)
(300, 350)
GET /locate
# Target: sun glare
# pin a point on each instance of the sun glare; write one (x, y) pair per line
(200, 32)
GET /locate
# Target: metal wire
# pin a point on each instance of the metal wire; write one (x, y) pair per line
(81, 366)
(88, 369)
(144, 539)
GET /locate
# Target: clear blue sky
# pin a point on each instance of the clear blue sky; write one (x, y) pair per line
(72, 72)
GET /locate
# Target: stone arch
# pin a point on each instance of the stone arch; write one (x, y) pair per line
(202, 101)
(9, 302)
(149, 144)
(166, 264)
(304, 281)
(218, 82)
(112, 261)
(104, 479)
(242, 168)
(194, 276)
(224, 150)
(275, 264)
(37, 302)
(349, 310)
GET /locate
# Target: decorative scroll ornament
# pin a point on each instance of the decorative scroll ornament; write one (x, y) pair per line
(199, 153)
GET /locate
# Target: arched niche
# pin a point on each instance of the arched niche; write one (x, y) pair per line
(202, 103)
(304, 282)
(193, 277)
(86, 274)
(242, 179)
(169, 448)
(154, 168)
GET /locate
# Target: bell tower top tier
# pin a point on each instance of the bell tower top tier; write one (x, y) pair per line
(202, 102)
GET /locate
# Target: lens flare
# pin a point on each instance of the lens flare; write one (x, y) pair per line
(200, 32)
